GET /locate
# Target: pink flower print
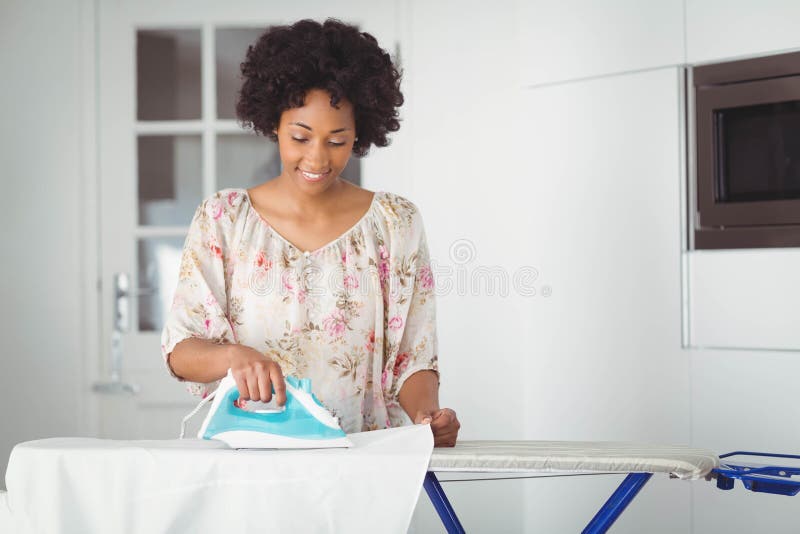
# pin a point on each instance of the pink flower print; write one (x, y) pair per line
(335, 323)
(350, 281)
(370, 345)
(396, 322)
(400, 364)
(301, 296)
(214, 248)
(231, 197)
(384, 377)
(383, 270)
(215, 209)
(211, 300)
(261, 262)
(344, 256)
(426, 278)
(384, 253)
(287, 283)
(208, 324)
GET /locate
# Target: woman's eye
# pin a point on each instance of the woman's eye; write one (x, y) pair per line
(299, 139)
(336, 143)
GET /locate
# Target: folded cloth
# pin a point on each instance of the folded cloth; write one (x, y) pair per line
(70, 485)
(573, 457)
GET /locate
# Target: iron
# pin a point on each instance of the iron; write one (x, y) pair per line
(302, 423)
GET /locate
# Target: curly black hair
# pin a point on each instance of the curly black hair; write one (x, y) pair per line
(288, 61)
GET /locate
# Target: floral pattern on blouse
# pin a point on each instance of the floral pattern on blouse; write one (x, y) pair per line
(356, 316)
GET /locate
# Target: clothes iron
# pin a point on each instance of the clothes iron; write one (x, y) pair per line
(302, 423)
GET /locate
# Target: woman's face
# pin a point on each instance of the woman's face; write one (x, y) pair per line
(315, 141)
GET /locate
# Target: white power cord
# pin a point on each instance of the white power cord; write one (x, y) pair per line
(193, 412)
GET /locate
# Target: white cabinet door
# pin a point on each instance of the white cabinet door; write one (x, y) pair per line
(600, 194)
(720, 29)
(745, 299)
(167, 138)
(583, 38)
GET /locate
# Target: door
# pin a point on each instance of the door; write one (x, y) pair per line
(167, 138)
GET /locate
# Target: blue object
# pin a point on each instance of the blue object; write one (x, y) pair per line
(773, 479)
(441, 504)
(303, 422)
(617, 503)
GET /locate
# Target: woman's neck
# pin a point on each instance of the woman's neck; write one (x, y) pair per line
(305, 204)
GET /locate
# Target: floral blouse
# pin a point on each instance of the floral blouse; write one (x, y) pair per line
(356, 316)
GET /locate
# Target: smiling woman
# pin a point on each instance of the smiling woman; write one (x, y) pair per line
(289, 61)
(315, 140)
(307, 274)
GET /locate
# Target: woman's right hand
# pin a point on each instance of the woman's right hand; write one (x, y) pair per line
(256, 375)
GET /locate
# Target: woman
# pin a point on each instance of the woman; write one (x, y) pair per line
(307, 274)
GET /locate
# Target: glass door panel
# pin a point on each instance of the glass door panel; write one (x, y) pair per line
(168, 75)
(170, 179)
(231, 48)
(158, 264)
(246, 160)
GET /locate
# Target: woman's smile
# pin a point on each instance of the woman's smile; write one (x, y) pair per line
(314, 176)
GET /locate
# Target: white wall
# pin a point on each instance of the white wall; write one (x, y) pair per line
(601, 118)
(460, 111)
(580, 180)
(40, 168)
(722, 29)
(576, 39)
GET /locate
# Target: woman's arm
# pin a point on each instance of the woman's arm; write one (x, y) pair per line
(420, 392)
(419, 397)
(202, 360)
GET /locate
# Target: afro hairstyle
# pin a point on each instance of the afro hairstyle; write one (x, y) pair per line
(288, 61)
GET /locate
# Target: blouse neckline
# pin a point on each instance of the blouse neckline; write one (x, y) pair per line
(288, 243)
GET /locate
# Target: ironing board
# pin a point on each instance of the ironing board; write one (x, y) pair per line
(70, 460)
(639, 461)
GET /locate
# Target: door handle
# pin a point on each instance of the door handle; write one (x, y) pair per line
(121, 324)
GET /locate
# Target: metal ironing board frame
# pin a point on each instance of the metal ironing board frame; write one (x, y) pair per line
(772, 479)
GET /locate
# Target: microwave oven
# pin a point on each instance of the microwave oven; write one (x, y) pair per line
(747, 153)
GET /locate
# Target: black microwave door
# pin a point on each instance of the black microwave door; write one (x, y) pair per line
(748, 153)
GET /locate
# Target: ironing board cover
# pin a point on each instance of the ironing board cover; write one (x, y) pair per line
(574, 457)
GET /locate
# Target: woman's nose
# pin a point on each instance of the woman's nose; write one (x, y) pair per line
(317, 157)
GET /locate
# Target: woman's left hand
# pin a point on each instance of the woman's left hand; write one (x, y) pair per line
(444, 425)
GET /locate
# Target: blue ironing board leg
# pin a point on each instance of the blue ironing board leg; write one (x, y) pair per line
(442, 505)
(617, 503)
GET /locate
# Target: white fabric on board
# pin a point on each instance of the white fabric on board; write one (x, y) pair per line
(66, 485)
(6, 520)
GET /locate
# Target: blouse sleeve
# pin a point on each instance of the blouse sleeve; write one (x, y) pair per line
(417, 348)
(199, 307)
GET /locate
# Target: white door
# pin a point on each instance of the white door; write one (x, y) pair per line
(167, 138)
